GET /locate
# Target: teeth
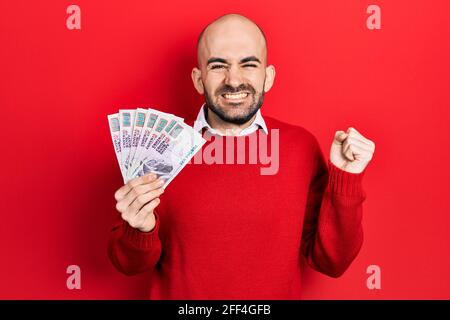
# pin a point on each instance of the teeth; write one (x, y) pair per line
(235, 95)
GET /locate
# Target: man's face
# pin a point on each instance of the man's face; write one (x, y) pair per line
(233, 72)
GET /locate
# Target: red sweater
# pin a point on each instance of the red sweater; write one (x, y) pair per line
(224, 231)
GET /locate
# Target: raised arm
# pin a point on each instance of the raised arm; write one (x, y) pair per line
(332, 232)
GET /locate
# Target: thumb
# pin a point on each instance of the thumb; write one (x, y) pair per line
(339, 137)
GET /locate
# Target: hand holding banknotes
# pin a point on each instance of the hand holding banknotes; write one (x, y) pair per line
(148, 140)
(151, 147)
(137, 199)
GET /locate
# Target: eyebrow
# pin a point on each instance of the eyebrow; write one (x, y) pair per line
(214, 59)
(243, 60)
(249, 59)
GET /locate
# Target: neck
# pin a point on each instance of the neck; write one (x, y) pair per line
(224, 127)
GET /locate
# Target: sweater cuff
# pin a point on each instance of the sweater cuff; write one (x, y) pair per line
(345, 183)
(139, 239)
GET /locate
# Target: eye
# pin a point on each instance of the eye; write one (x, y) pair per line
(217, 66)
(249, 65)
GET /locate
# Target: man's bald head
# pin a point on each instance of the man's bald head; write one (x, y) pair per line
(230, 25)
(232, 71)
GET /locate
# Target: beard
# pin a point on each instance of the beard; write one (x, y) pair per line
(245, 112)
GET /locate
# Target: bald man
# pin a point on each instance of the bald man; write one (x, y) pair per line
(225, 230)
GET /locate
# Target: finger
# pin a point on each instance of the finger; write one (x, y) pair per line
(137, 191)
(140, 219)
(362, 154)
(149, 207)
(143, 220)
(132, 210)
(353, 141)
(129, 213)
(124, 190)
(349, 153)
(339, 137)
(141, 189)
(350, 129)
(143, 199)
(358, 153)
(147, 211)
(352, 132)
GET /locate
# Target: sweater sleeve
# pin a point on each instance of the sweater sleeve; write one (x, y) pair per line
(132, 251)
(332, 231)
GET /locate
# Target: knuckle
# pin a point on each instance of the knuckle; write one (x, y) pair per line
(150, 219)
(154, 182)
(134, 193)
(132, 223)
(139, 201)
(130, 184)
(153, 194)
(133, 205)
(142, 189)
(143, 179)
(152, 205)
(146, 209)
(145, 188)
(135, 182)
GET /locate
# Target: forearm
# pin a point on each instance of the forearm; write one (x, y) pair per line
(339, 235)
(132, 251)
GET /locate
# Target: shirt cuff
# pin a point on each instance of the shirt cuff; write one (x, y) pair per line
(345, 183)
(137, 238)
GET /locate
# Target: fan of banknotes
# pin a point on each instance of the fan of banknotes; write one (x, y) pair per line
(148, 140)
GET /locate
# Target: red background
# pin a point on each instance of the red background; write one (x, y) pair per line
(59, 171)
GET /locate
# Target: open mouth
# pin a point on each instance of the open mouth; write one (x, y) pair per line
(235, 96)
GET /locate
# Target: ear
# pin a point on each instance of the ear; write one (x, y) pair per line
(270, 77)
(196, 75)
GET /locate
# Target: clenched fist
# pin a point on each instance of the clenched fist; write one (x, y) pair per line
(351, 151)
(137, 199)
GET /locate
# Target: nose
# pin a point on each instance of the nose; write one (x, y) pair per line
(233, 77)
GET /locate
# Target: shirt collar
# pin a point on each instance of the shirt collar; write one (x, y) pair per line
(201, 123)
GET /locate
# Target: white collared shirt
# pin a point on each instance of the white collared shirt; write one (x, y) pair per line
(201, 123)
